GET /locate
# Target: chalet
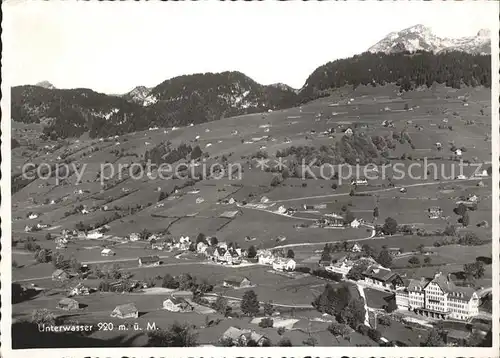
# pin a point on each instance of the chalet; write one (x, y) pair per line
(68, 304)
(341, 267)
(236, 282)
(184, 243)
(134, 237)
(231, 256)
(107, 252)
(458, 152)
(265, 257)
(33, 216)
(461, 177)
(28, 228)
(159, 245)
(348, 132)
(149, 261)
(241, 337)
(79, 290)
(264, 199)
(128, 310)
(220, 254)
(356, 248)
(284, 264)
(201, 247)
(199, 200)
(177, 304)
(231, 201)
(95, 234)
(355, 223)
(308, 207)
(60, 275)
(42, 226)
(376, 275)
(435, 212)
(281, 210)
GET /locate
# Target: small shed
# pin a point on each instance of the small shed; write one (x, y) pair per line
(68, 304)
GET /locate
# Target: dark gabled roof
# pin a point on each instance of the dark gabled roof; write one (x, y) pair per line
(149, 259)
(221, 251)
(380, 274)
(126, 308)
(177, 300)
(235, 280)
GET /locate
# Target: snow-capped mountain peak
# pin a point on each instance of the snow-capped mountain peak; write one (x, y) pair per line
(45, 84)
(420, 37)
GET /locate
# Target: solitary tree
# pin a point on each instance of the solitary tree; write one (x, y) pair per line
(427, 260)
(465, 219)
(375, 213)
(250, 303)
(290, 254)
(196, 153)
(414, 260)
(474, 270)
(384, 258)
(461, 209)
(43, 316)
(221, 305)
(252, 252)
(284, 342)
(268, 308)
(390, 226)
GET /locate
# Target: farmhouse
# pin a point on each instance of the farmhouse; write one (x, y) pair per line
(265, 257)
(355, 223)
(128, 310)
(201, 247)
(79, 290)
(264, 199)
(68, 304)
(60, 275)
(236, 282)
(242, 336)
(134, 237)
(149, 261)
(177, 304)
(376, 275)
(231, 256)
(28, 228)
(94, 234)
(341, 267)
(438, 298)
(282, 264)
(348, 132)
(107, 252)
(356, 247)
(33, 216)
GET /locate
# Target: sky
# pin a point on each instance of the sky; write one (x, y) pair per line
(111, 47)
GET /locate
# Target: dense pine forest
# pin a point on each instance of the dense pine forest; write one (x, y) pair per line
(408, 70)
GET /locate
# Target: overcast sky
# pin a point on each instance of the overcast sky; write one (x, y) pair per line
(112, 47)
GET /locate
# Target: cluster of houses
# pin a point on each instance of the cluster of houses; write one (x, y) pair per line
(438, 298)
(274, 259)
